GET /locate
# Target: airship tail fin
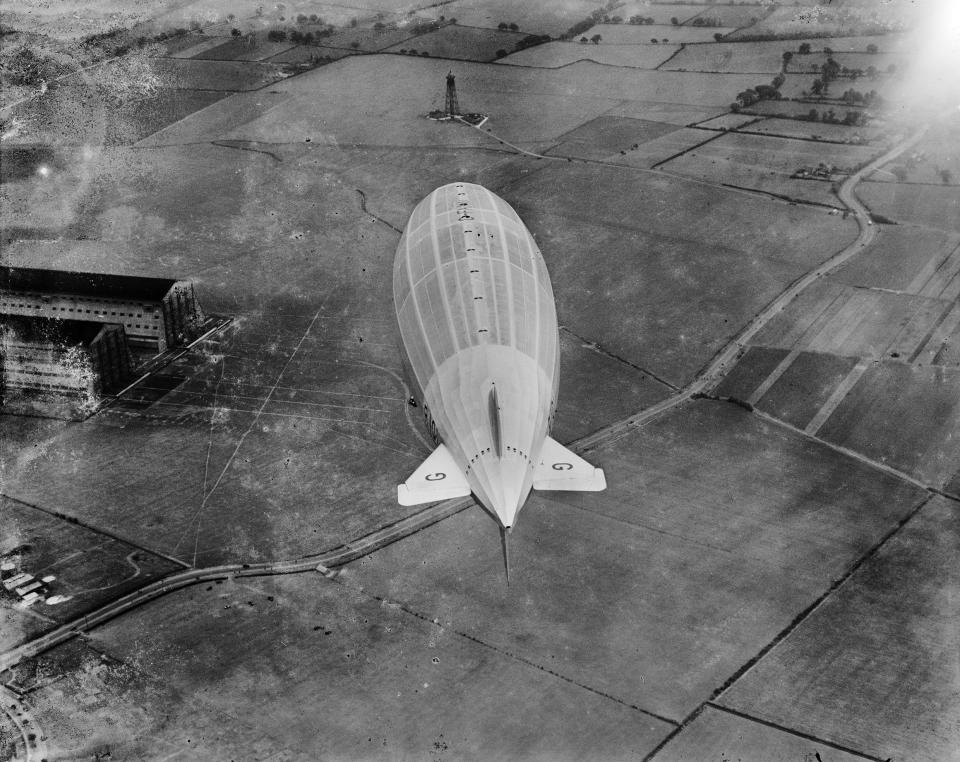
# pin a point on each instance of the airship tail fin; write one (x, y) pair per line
(438, 478)
(561, 469)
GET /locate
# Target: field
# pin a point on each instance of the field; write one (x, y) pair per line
(661, 13)
(897, 609)
(906, 259)
(745, 58)
(368, 40)
(630, 34)
(467, 43)
(728, 122)
(766, 164)
(531, 18)
(932, 206)
(804, 388)
(823, 21)
(705, 288)
(795, 128)
(608, 135)
(553, 55)
(252, 48)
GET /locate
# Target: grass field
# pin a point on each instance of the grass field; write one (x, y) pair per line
(252, 48)
(531, 18)
(766, 163)
(741, 57)
(591, 220)
(805, 386)
(821, 20)
(635, 34)
(661, 13)
(463, 42)
(922, 404)
(932, 206)
(556, 54)
(608, 135)
(728, 121)
(900, 259)
(369, 40)
(888, 629)
(795, 128)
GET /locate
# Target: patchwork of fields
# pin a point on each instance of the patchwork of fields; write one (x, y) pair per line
(796, 527)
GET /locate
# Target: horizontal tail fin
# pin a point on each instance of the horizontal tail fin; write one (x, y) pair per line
(438, 478)
(561, 469)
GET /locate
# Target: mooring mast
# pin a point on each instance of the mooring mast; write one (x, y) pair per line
(451, 107)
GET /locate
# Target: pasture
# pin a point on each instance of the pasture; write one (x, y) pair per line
(608, 135)
(635, 34)
(932, 206)
(796, 128)
(531, 18)
(249, 48)
(463, 42)
(553, 55)
(821, 21)
(661, 13)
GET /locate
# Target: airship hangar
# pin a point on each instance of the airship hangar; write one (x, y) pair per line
(748, 215)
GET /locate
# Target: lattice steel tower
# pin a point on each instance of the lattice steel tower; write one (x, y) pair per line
(451, 107)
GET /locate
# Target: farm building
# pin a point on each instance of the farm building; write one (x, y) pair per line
(68, 358)
(156, 313)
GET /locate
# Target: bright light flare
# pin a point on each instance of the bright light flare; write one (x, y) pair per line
(931, 81)
(43, 170)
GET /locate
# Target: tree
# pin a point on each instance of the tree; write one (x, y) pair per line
(596, 39)
(872, 72)
(654, 40)
(787, 57)
(354, 44)
(584, 40)
(617, 20)
(314, 18)
(513, 27)
(718, 36)
(675, 21)
(828, 51)
(276, 35)
(502, 26)
(813, 115)
(500, 53)
(308, 38)
(945, 176)
(804, 49)
(871, 48)
(302, 18)
(817, 87)
(235, 32)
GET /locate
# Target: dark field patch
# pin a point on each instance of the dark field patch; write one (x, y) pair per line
(920, 404)
(805, 386)
(306, 53)
(607, 135)
(743, 379)
(891, 631)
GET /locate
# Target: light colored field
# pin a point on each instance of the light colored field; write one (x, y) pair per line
(926, 161)
(744, 57)
(731, 16)
(728, 121)
(367, 114)
(680, 114)
(933, 206)
(467, 43)
(766, 163)
(630, 34)
(814, 20)
(556, 54)
(532, 18)
(608, 135)
(660, 13)
(368, 40)
(901, 259)
(795, 128)
(662, 148)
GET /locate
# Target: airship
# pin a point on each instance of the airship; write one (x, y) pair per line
(478, 324)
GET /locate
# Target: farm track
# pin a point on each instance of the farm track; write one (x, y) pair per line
(324, 561)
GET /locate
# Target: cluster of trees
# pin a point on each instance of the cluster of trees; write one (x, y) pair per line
(756, 93)
(704, 22)
(852, 118)
(26, 68)
(595, 39)
(313, 18)
(503, 26)
(852, 96)
(533, 39)
(639, 20)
